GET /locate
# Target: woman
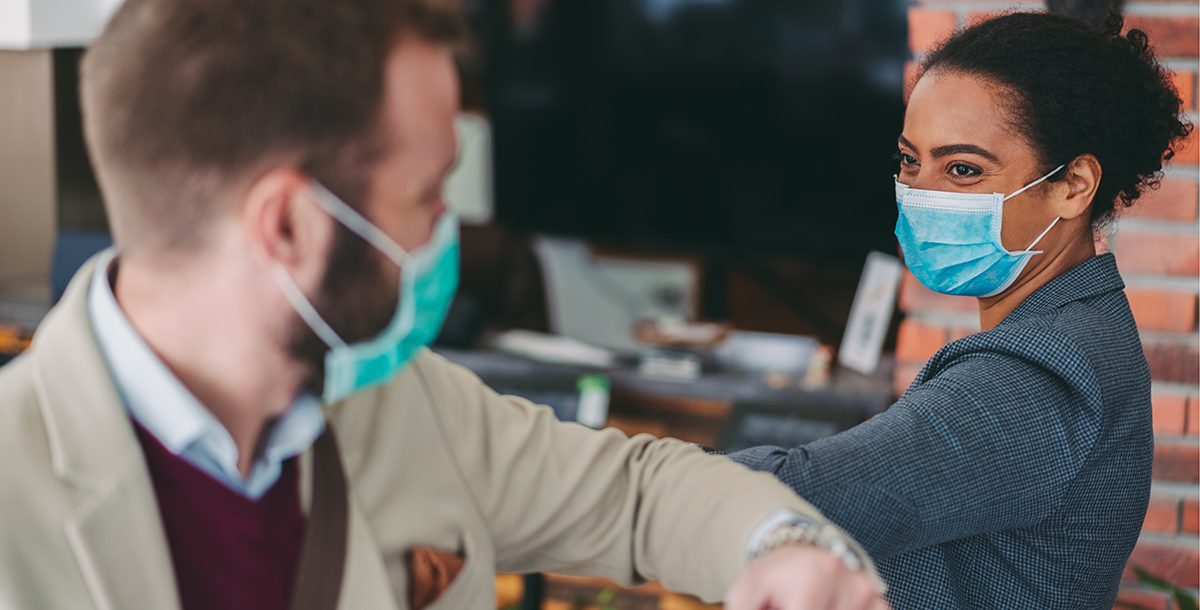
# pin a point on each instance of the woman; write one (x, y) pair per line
(1015, 471)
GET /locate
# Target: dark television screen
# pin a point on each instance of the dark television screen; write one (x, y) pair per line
(761, 126)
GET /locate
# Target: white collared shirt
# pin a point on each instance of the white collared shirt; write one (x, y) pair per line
(158, 401)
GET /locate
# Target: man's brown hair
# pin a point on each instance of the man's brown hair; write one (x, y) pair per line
(184, 99)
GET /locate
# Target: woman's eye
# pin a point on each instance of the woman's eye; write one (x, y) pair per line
(906, 159)
(960, 170)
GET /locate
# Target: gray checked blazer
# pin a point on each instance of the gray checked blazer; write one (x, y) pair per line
(1014, 472)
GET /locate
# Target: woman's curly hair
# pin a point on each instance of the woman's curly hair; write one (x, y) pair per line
(1077, 89)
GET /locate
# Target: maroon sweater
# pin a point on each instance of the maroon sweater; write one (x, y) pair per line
(229, 552)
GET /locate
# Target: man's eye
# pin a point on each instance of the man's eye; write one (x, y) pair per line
(960, 170)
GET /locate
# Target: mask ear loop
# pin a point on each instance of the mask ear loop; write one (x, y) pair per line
(1029, 249)
(303, 307)
(343, 213)
(1035, 182)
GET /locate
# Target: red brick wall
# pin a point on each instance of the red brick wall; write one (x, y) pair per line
(1158, 248)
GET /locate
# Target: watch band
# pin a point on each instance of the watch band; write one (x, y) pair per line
(821, 535)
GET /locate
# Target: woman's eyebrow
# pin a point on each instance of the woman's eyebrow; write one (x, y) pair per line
(958, 149)
(952, 149)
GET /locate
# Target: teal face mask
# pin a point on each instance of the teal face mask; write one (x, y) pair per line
(428, 281)
(951, 241)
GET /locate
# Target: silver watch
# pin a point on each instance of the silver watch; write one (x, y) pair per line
(821, 535)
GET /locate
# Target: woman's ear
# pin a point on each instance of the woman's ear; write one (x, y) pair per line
(1075, 193)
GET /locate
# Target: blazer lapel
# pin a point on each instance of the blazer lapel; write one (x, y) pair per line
(115, 529)
(368, 583)
(119, 544)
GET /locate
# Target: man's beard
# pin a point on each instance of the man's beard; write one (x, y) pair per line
(357, 298)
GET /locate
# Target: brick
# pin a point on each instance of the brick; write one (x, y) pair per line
(974, 19)
(1163, 310)
(903, 376)
(914, 296)
(1190, 519)
(1158, 253)
(1162, 516)
(1128, 599)
(958, 332)
(912, 73)
(1173, 361)
(1185, 85)
(1169, 412)
(1174, 199)
(1177, 565)
(1178, 462)
(918, 341)
(927, 28)
(1171, 36)
(1193, 416)
(1188, 152)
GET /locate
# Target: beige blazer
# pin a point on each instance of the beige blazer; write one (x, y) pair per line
(434, 458)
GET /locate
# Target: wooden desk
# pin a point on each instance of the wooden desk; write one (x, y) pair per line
(694, 411)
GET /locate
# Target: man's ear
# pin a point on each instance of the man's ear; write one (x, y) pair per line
(1075, 194)
(284, 225)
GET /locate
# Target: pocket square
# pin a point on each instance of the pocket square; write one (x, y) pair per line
(430, 573)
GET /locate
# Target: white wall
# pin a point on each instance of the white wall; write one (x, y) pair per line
(41, 24)
(469, 186)
(597, 300)
(28, 198)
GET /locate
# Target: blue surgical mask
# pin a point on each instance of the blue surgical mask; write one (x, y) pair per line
(428, 281)
(951, 241)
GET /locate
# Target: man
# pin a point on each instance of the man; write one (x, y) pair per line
(272, 172)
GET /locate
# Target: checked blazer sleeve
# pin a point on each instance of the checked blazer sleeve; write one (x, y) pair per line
(992, 442)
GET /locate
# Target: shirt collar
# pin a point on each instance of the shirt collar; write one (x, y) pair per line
(1095, 276)
(158, 401)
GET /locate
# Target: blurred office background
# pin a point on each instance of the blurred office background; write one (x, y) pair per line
(658, 190)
